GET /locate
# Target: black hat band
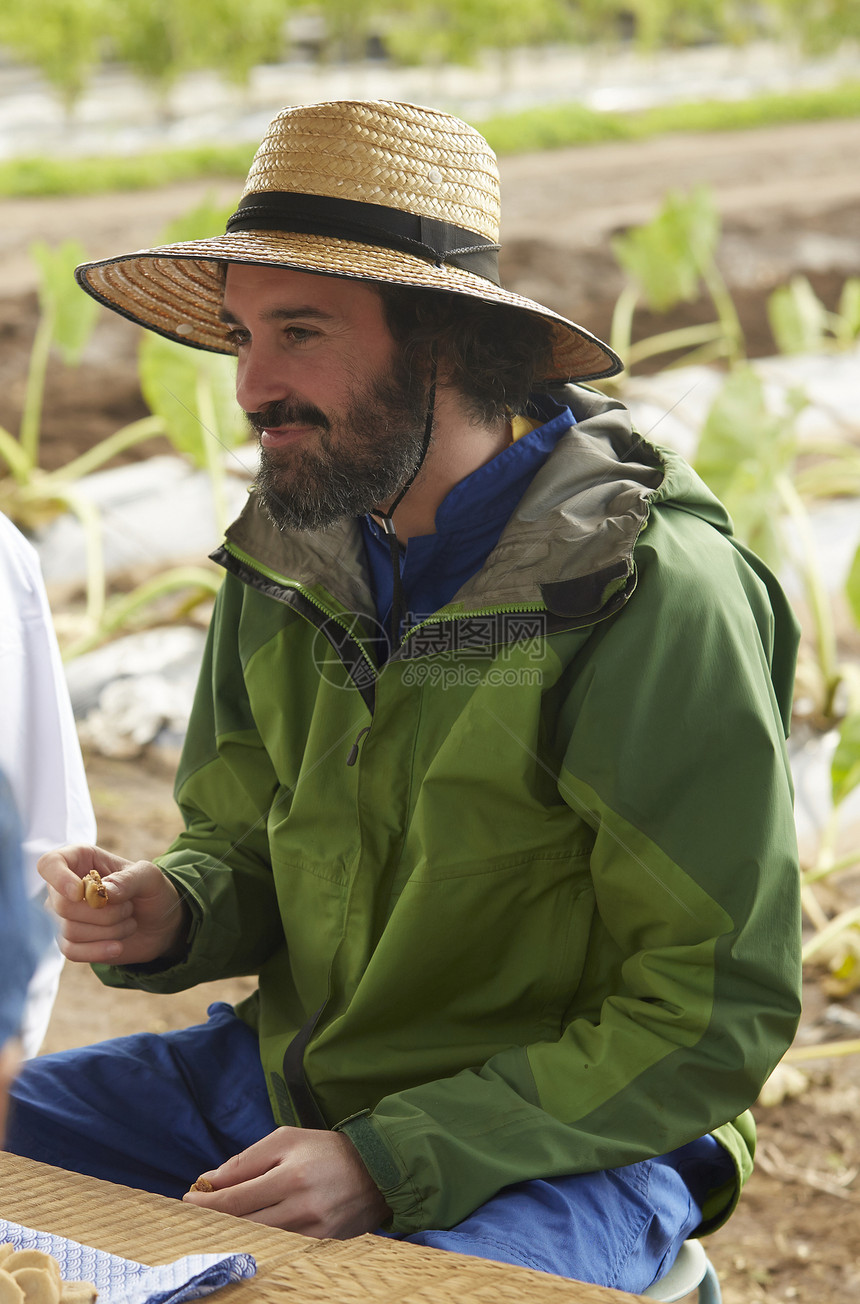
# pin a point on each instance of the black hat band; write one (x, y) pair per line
(373, 224)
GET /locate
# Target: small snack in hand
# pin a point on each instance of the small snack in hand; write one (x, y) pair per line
(95, 892)
(202, 1184)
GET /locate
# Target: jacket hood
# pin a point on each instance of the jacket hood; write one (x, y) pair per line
(568, 546)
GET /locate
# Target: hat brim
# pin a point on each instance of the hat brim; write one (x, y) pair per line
(177, 289)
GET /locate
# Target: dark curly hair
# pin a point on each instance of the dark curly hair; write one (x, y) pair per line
(491, 352)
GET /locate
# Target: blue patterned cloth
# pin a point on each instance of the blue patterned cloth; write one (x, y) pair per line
(122, 1281)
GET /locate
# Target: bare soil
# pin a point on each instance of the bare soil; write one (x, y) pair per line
(790, 200)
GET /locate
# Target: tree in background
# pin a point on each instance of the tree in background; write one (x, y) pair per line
(657, 23)
(160, 40)
(63, 38)
(163, 39)
(457, 31)
(819, 25)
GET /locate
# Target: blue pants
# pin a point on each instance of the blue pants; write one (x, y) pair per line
(155, 1110)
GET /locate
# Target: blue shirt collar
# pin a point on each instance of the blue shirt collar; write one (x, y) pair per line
(469, 521)
(490, 493)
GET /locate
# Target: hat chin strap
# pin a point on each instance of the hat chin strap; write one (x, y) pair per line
(397, 601)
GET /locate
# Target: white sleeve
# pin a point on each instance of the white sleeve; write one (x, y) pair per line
(39, 749)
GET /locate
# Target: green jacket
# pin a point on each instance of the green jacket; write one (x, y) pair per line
(526, 902)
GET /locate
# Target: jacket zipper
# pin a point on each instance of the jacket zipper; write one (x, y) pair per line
(511, 609)
(294, 587)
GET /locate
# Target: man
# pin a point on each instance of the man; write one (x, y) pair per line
(486, 775)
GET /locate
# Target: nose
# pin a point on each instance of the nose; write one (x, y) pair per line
(261, 377)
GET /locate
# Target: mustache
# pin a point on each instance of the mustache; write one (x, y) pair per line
(284, 413)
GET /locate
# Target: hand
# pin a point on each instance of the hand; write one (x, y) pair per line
(300, 1180)
(144, 919)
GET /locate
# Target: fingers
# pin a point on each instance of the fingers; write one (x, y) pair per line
(65, 868)
(112, 910)
(240, 1185)
(97, 937)
(312, 1182)
(260, 1157)
(261, 1199)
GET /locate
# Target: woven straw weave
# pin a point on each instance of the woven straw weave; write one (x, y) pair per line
(398, 156)
(401, 156)
(368, 1270)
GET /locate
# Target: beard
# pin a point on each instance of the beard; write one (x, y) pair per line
(362, 457)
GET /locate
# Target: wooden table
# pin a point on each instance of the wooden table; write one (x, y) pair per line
(367, 1270)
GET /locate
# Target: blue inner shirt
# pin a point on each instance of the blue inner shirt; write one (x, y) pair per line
(469, 523)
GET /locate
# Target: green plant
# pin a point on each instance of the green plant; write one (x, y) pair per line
(800, 323)
(819, 27)
(29, 494)
(845, 763)
(162, 39)
(835, 941)
(668, 261)
(544, 127)
(746, 455)
(191, 392)
(458, 31)
(63, 38)
(190, 395)
(750, 454)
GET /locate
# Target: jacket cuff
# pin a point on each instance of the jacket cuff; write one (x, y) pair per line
(387, 1171)
(738, 1138)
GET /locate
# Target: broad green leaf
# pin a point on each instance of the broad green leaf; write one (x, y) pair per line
(171, 377)
(730, 441)
(845, 766)
(852, 588)
(73, 313)
(667, 256)
(744, 449)
(798, 318)
(849, 307)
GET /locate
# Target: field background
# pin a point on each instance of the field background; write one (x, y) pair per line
(790, 199)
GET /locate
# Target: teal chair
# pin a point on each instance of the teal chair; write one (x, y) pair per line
(692, 1270)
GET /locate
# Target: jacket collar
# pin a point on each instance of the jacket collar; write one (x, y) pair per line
(568, 546)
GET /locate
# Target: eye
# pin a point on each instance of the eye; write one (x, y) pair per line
(236, 336)
(300, 334)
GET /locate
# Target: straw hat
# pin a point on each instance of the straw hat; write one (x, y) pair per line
(375, 190)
